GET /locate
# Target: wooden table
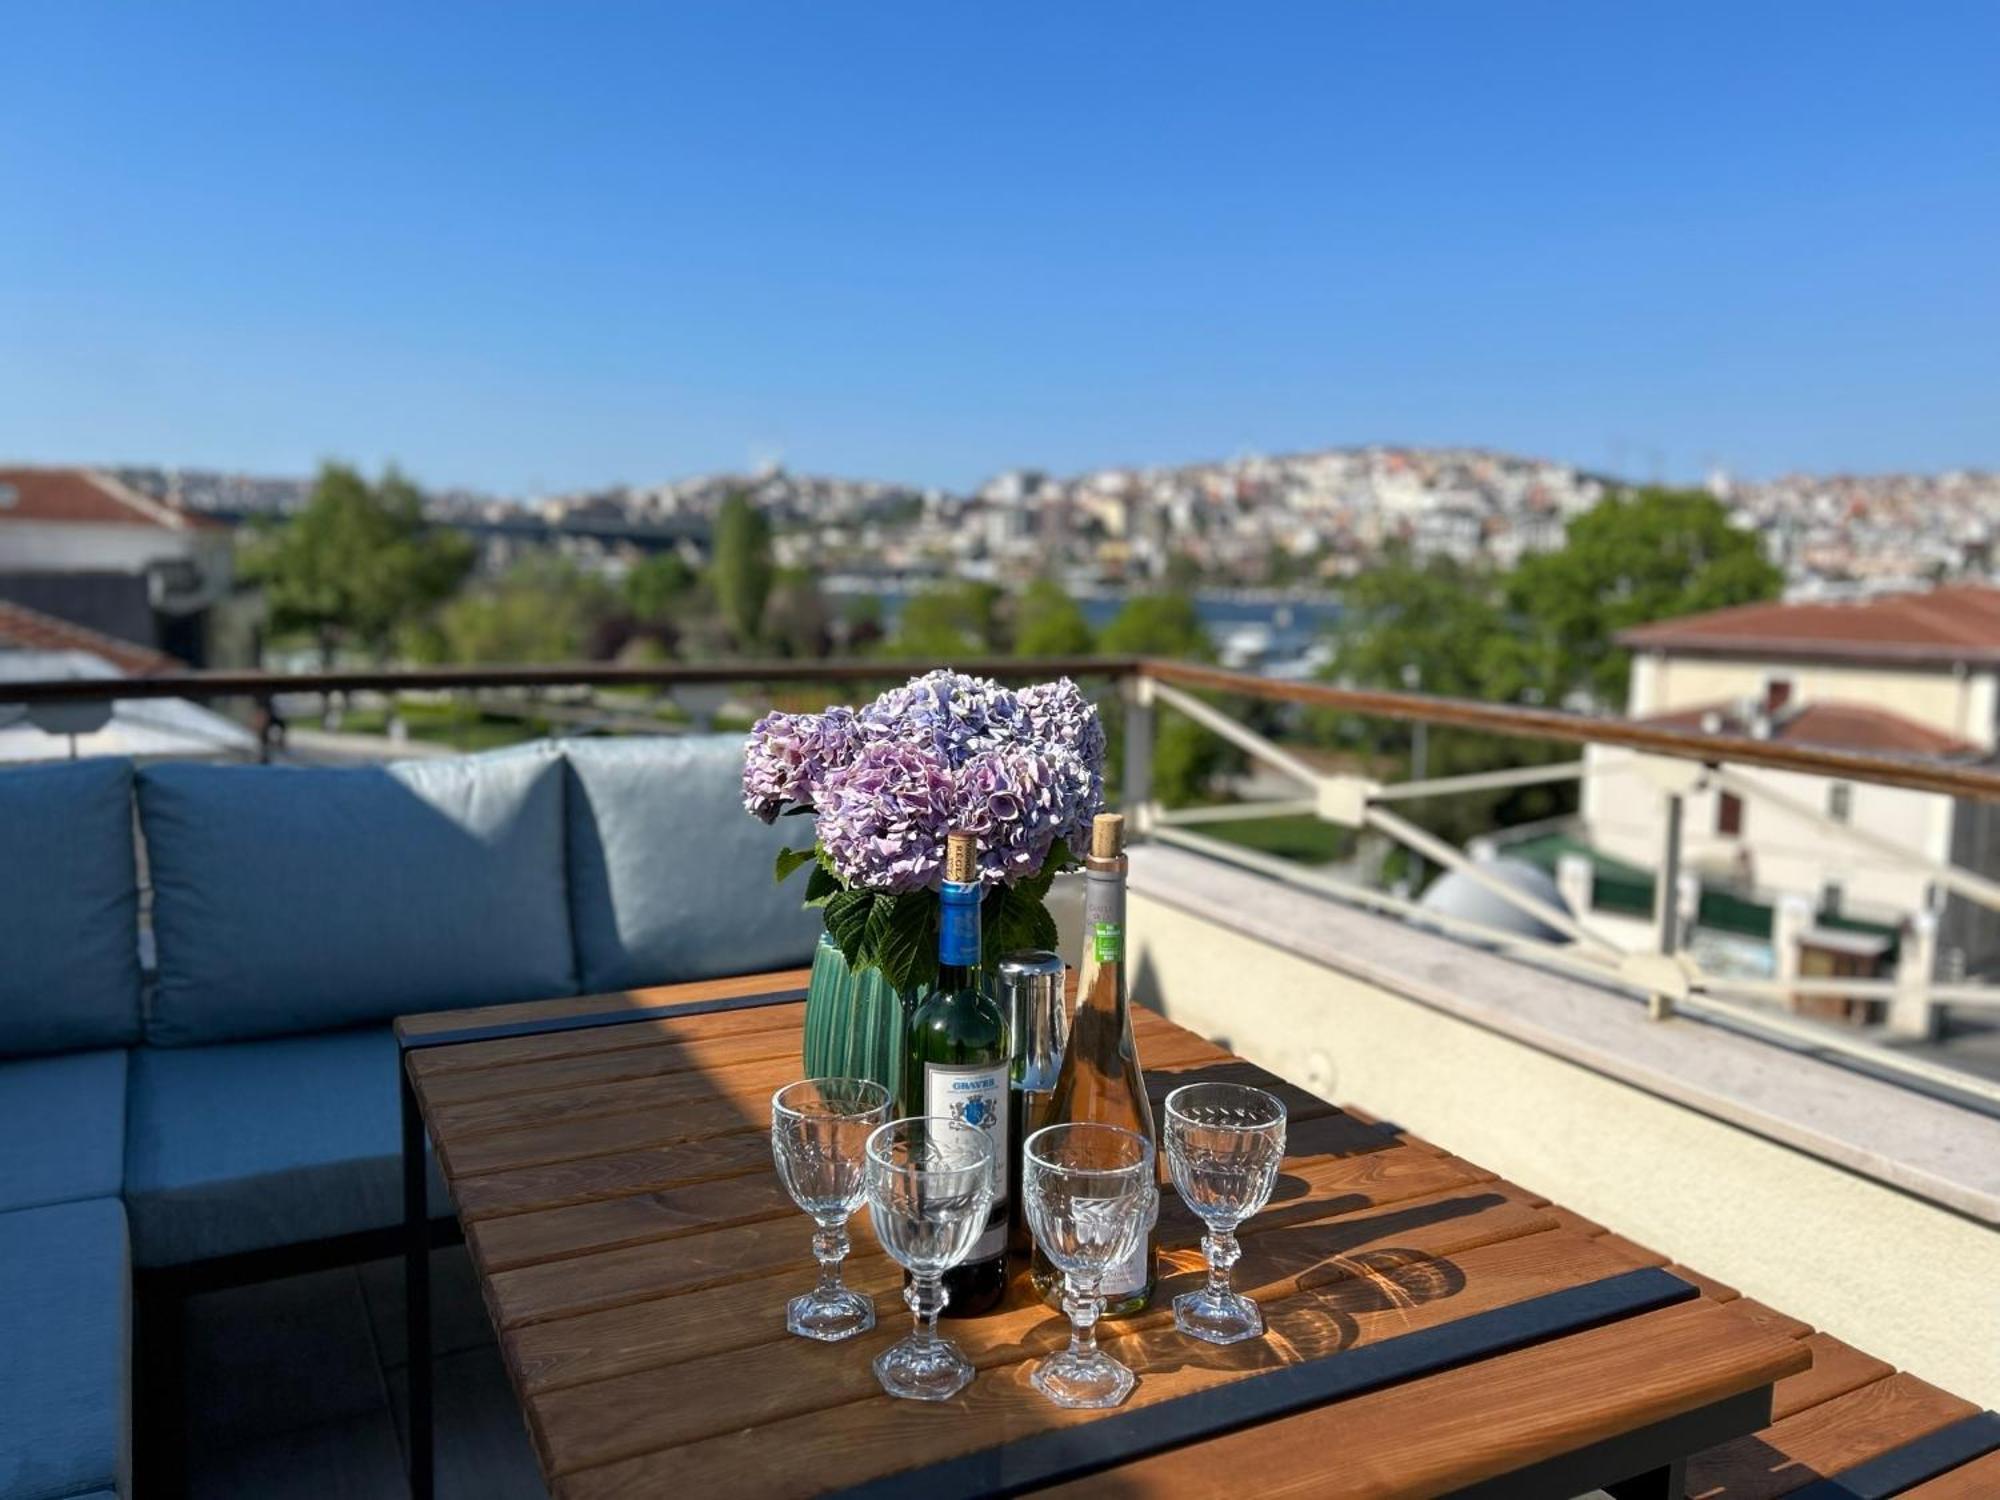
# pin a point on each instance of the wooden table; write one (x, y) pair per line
(1432, 1329)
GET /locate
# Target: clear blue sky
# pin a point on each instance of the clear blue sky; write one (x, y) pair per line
(527, 247)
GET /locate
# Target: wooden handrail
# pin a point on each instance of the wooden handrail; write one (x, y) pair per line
(206, 686)
(1951, 778)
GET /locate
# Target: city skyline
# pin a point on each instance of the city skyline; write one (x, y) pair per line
(524, 257)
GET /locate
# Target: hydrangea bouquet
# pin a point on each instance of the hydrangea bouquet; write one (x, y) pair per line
(1022, 771)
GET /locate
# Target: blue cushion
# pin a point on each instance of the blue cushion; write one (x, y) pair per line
(669, 877)
(69, 908)
(248, 1145)
(288, 899)
(62, 1128)
(64, 1370)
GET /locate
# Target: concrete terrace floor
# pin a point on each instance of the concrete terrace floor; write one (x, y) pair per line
(296, 1390)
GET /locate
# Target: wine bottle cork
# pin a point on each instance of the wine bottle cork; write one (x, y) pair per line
(1107, 835)
(961, 858)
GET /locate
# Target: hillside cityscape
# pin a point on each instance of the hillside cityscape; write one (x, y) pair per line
(1294, 522)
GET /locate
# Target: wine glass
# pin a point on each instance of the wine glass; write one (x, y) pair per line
(930, 1185)
(819, 1138)
(1224, 1144)
(1087, 1188)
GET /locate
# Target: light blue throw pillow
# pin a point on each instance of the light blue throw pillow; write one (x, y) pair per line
(670, 879)
(69, 908)
(290, 899)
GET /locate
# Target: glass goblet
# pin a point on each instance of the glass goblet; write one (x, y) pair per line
(930, 1185)
(1087, 1189)
(1224, 1144)
(819, 1139)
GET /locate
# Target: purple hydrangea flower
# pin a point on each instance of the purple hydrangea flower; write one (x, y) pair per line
(788, 755)
(1058, 714)
(1017, 770)
(883, 817)
(955, 715)
(1018, 801)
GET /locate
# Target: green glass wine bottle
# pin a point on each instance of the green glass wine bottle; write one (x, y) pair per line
(958, 1067)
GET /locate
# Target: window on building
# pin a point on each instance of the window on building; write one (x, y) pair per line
(1829, 899)
(1840, 801)
(1777, 693)
(1729, 815)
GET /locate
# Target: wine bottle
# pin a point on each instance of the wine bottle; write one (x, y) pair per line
(1100, 1078)
(958, 1065)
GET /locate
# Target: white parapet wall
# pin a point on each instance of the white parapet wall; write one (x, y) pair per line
(1868, 1210)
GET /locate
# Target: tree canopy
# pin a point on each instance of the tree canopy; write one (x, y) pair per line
(1048, 622)
(742, 571)
(1634, 557)
(1157, 625)
(1441, 628)
(543, 609)
(948, 623)
(357, 564)
(1186, 757)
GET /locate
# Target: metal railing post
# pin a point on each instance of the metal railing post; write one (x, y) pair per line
(1667, 901)
(1137, 690)
(1914, 1012)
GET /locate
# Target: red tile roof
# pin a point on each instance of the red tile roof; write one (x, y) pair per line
(1959, 623)
(1830, 726)
(24, 629)
(84, 496)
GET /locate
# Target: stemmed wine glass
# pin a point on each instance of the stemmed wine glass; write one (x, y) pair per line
(1087, 1188)
(1224, 1144)
(930, 1185)
(819, 1138)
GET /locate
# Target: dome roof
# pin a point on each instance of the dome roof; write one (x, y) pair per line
(1455, 894)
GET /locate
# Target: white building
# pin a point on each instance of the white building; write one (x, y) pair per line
(80, 545)
(1909, 675)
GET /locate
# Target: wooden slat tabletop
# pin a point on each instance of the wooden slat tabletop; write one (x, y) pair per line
(636, 1250)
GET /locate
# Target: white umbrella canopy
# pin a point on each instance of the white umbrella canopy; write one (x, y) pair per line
(145, 728)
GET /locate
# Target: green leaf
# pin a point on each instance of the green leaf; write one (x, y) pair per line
(847, 914)
(1036, 886)
(902, 937)
(789, 860)
(1015, 919)
(821, 886)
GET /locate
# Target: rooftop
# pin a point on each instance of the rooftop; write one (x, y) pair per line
(1945, 626)
(1831, 725)
(24, 629)
(88, 497)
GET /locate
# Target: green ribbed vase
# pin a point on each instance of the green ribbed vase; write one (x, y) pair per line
(854, 1022)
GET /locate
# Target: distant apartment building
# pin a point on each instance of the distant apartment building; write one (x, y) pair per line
(84, 547)
(1909, 675)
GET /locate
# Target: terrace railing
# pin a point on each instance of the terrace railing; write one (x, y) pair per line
(1675, 764)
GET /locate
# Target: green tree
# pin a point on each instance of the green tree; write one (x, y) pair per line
(742, 571)
(657, 585)
(797, 617)
(1439, 628)
(358, 564)
(1186, 757)
(1649, 554)
(1184, 572)
(948, 622)
(1048, 622)
(543, 609)
(1157, 625)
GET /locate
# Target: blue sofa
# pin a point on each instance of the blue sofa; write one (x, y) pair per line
(232, 1111)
